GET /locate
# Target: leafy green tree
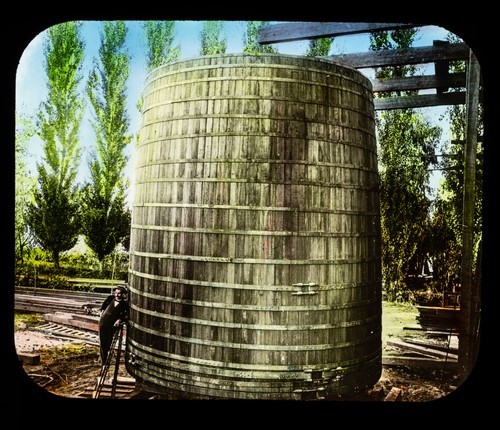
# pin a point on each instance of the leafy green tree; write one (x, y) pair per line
(53, 216)
(407, 150)
(106, 220)
(445, 249)
(250, 43)
(407, 146)
(159, 43)
(394, 39)
(213, 40)
(319, 47)
(159, 48)
(25, 129)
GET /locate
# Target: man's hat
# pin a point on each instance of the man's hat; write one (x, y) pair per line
(122, 287)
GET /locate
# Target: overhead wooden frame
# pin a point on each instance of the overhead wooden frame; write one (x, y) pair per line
(291, 31)
(441, 53)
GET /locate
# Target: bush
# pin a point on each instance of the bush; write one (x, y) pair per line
(38, 269)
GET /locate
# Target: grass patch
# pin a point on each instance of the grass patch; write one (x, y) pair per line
(396, 316)
(68, 352)
(24, 321)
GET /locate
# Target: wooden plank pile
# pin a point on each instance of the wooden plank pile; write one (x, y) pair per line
(44, 300)
(426, 350)
(439, 318)
(85, 322)
(421, 354)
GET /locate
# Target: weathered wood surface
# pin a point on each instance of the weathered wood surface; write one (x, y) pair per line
(448, 349)
(394, 395)
(427, 363)
(29, 358)
(255, 174)
(439, 318)
(421, 349)
(422, 100)
(286, 32)
(73, 320)
(424, 82)
(43, 300)
(470, 290)
(124, 388)
(398, 57)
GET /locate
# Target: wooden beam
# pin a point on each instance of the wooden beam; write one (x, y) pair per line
(399, 57)
(287, 32)
(453, 80)
(424, 350)
(424, 100)
(394, 395)
(469, 301)
(441, 68)
(418, 362)
(29, 358)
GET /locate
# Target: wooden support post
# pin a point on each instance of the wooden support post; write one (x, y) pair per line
(469, 308)
(442, 68)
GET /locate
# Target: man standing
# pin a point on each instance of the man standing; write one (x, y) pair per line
(114, 311)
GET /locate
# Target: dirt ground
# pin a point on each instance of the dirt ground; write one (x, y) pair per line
(69, 367)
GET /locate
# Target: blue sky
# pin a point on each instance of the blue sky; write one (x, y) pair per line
(31, 80)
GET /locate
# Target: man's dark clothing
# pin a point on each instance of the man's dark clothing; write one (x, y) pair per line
(111, 313)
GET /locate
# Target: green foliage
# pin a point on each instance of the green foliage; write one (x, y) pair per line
(159, 48)
(106, 88)
(250, 43)
(24, 184)
(38, 269)
(213, 40)
(60, 117)
(159, 43)
(395, 39)
(407, 145)
(407, 150)
(53, 216)
(451, 193)
(106, 221)
(445, 248)
(71, 351)
(449, 203)
(319, 47)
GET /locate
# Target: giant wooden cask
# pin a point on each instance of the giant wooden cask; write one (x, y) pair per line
(255, 269)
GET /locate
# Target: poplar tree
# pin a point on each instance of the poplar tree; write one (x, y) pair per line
(213, 40)
(106, 220)
(407, 145)
(54, 216)
(319, 47)
(250, 43)
(160, 47)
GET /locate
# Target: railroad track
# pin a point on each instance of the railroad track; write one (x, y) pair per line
(66, 332)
